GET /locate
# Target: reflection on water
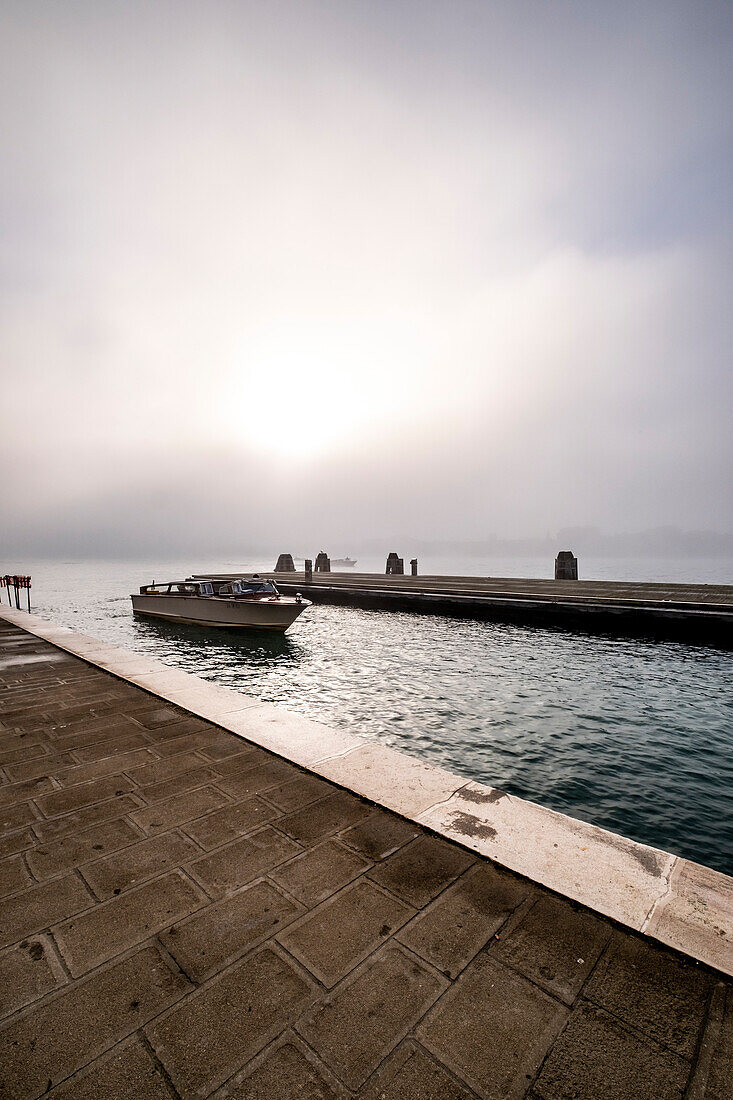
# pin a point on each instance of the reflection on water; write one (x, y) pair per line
(255, 646)
(633, 735)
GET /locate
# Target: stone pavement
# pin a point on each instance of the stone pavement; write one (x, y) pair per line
(185, 914)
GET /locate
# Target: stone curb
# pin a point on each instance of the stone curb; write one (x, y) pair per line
(682, 904)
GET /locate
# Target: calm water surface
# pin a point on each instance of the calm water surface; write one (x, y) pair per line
(632, 735)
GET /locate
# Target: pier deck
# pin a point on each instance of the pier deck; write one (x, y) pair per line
(186, 914)
(702, 611)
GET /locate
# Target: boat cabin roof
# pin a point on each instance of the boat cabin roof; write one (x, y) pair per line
(178, 588)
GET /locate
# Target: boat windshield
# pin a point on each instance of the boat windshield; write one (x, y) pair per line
(257, 588)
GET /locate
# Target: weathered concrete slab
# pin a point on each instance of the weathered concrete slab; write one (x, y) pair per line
(408, 786)
(606, 872)
(291, 735)
(695, 914)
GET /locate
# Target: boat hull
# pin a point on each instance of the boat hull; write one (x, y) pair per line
(275, 615)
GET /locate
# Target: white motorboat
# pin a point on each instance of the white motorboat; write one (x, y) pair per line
(249, 603)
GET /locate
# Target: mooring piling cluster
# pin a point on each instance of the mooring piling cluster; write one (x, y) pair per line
(395, 565)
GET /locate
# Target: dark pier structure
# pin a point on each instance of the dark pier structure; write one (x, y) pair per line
(702, 612)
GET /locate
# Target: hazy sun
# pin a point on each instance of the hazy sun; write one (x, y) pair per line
(305, 389)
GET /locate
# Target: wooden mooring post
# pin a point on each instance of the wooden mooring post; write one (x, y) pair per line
(566, 566)
(395, 565)
(16, 581)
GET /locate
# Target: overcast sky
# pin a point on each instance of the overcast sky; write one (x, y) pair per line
(298, 272)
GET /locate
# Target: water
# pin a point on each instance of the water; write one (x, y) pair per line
(631, 735)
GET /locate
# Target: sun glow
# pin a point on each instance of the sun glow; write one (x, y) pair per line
(307, 389)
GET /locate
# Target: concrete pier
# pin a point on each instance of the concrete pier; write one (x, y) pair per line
(703, 612)
(207, 895)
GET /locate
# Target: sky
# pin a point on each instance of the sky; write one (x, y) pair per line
(305, 274)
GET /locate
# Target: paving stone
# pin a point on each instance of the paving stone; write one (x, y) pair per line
(236, 864)
(40, 906)
(156, 717)
(334, 938)
(652, 989)
(187, 781)
(84, 819)
(25, 718)
(108, 732)
(380, 835)
(253, 780)
(124, 762)
(69, 851)
(232, 821)
(411, 1073)
(219, 934)
(596, 1058)
(454, 928)
(74, 798)
(156, 771)
(210, 743)
(179, 729)
(28, 971)
(422, 869)
(50, 765)
(145, 859)
(114, 926)
(13, 817)
(319, 872)
(296, 793)
(322, 818)
(368, 1015)
(13, 793)
(203, 1041)
(20, 737)
(16, 842)
(28, 750)
(118, 747)
(176, 810)
(556, 946)
(48, 1044)
(129, 1073)
(88, 715)
(223, 746)
(288, 1072)
(248, 758)
(493, 1028)
(13, 875)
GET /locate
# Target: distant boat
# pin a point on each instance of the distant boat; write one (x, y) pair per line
(343, 563)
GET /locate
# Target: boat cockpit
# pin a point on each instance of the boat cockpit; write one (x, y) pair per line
(246, 588)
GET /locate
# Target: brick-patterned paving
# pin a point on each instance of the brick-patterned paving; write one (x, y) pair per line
(183, 914)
